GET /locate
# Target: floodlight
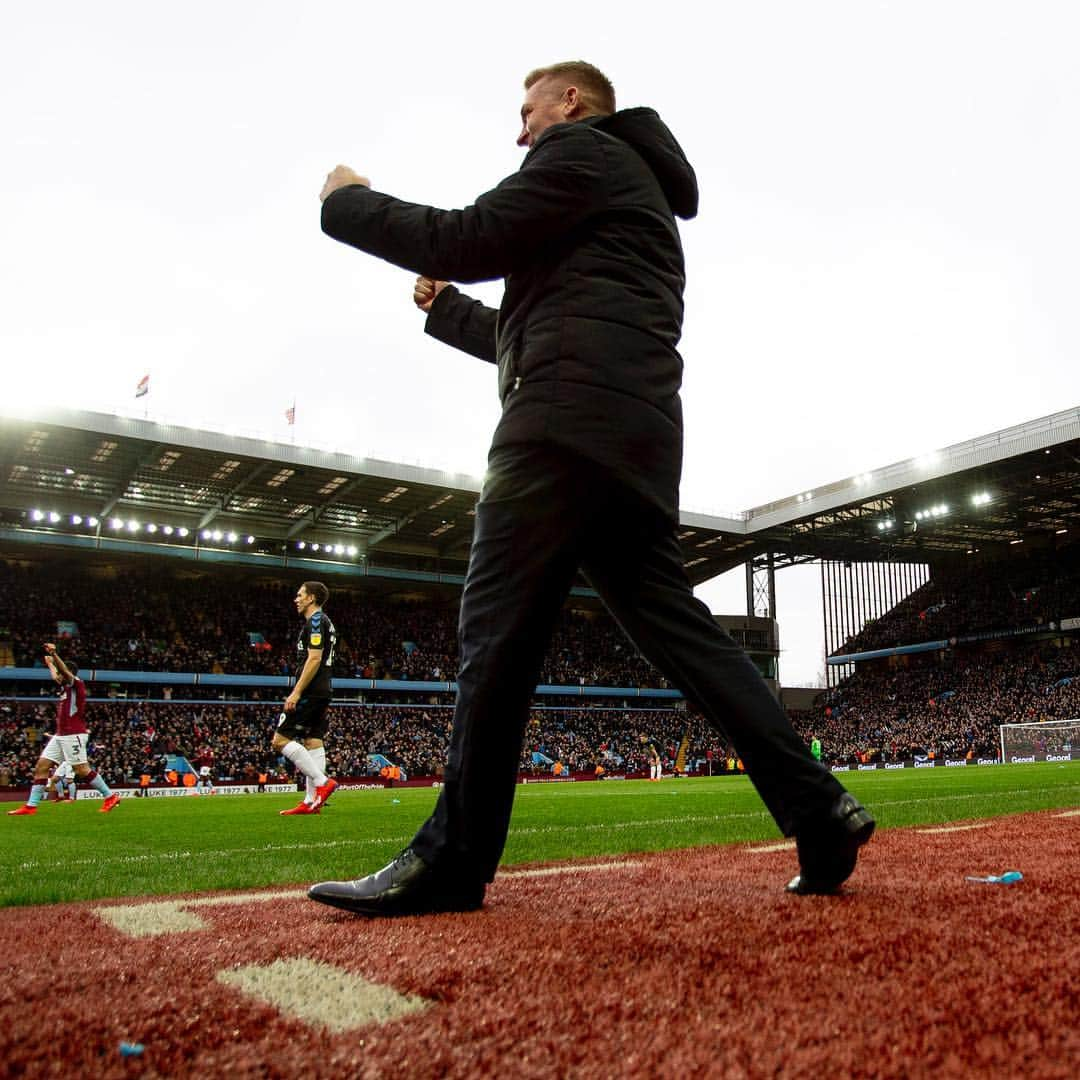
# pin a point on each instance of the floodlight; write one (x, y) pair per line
(182, 531)
(217, 535)
(352, 550)
(36, 515)
(54, 517)
(233, 538)
(75, 519)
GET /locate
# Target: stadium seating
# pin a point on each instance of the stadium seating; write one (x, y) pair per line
(974, 597)
(129, 738)
(149, 621)
(947, 706)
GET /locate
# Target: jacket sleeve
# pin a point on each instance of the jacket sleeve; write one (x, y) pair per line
(561, 182)
(467, 324)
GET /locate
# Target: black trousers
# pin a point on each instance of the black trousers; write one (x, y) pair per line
(542, 515)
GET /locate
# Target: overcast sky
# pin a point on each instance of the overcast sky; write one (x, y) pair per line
(885, 259)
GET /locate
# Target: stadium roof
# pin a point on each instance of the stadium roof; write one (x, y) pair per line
(109, 469)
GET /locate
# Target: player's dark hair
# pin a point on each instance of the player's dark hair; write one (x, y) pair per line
(318, 590)
(72, 667)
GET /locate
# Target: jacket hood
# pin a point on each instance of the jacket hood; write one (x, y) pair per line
(651, 138)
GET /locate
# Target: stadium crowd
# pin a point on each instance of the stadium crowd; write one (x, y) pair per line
(131, 738)
(149, 622)
(973, 598)
(945, 707)
(947, 704)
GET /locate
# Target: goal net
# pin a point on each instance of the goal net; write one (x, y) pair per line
(1051, 740)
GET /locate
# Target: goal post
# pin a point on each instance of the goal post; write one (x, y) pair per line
(1048, 740)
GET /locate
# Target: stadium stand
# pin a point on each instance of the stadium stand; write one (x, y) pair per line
(944, 705)
(130, 738)
(162, 549)
(146, 619)
(1030, 591)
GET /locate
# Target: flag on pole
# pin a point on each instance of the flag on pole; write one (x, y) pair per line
(290, 413)
(143, 387)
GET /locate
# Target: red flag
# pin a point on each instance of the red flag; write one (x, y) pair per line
(143, 387)
(290, 414)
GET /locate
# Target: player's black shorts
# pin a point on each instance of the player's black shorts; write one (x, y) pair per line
(307, 721)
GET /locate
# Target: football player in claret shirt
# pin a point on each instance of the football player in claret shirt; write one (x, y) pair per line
(69, 743)
(653, 754)
(303, 723)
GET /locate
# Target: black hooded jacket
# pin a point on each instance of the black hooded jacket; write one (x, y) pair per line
(586, 338)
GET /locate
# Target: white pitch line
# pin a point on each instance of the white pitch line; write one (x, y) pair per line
(552, 871)
(1069, 813)
(172, 917)
(321, 994)
(787, 845)
(173, 856)
(954, 828)
(565, 830)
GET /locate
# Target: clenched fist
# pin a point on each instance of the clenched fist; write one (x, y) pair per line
(342, 176)
(425, 290)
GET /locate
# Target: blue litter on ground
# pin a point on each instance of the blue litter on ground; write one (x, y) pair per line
(1008, 878)
(130, 1049)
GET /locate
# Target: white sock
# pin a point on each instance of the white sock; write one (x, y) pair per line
(318, 755)
(303, 760)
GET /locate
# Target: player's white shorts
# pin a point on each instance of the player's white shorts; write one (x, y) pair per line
(64, 771)
(67, 748)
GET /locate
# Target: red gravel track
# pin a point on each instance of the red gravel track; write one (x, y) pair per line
(687, 964)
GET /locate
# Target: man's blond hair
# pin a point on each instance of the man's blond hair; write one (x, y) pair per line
(597, 93)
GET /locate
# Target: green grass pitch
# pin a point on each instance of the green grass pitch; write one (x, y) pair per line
(149, 847)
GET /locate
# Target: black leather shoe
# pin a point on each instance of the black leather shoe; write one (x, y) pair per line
(406, 886)
(828, 848)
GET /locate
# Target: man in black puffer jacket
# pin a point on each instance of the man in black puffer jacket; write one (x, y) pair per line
(583, 471)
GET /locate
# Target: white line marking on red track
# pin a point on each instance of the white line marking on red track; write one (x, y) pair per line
(171, 916)
(551, 871)
(787, 845)
(321, 994)
(954, 828)
(174, 917)
(1069, 813)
